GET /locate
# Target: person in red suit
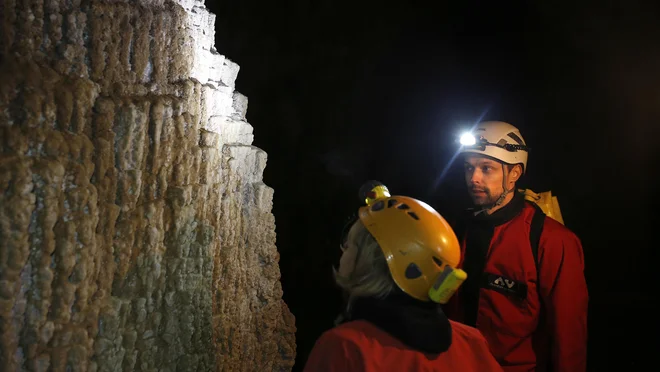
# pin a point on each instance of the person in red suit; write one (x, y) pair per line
(525, 288)
(396, 268)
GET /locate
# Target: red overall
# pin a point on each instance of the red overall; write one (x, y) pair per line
(526, 331)
(361, 346)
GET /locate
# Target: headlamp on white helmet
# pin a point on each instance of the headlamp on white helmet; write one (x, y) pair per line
(467, 139)
(498, 140)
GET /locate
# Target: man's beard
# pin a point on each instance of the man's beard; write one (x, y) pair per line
(483, 200)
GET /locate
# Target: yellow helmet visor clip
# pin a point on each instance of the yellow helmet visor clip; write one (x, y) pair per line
(446, 284)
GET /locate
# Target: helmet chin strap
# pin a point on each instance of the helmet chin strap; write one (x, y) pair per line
(499, 200)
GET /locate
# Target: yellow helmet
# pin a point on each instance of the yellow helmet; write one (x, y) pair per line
(420, 247)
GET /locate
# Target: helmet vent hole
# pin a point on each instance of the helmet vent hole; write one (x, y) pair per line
(515, 138)
(378, 206)
(413, 215)
(403, 206)
(437, 261)
(413, 272)
(391, 203)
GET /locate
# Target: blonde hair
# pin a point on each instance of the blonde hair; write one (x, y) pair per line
(371, 275)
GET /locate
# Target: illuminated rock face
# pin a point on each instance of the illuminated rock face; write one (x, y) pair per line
(135, 230)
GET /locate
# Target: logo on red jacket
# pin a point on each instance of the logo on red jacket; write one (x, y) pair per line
(504, 285)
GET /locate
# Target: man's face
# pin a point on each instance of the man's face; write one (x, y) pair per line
(484, 179)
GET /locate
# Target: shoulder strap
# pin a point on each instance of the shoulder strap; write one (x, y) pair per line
(535, 230)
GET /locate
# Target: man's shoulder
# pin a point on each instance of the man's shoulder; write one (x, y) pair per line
(349, 333)
(466, 336)
(353, 330)
(464, 331)
(550, 225)
(358, 336)
(555, 227)
(554, 232)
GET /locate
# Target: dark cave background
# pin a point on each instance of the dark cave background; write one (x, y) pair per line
(344, 91)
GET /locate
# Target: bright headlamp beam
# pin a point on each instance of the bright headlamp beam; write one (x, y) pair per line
(467, 139)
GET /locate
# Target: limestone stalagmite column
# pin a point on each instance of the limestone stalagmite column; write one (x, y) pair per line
(135, 230)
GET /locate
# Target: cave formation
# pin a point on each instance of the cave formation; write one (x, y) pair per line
(136, 232)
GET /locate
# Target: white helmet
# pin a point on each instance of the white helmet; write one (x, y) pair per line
(498, 140)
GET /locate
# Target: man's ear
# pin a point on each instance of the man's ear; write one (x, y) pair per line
(515, 173)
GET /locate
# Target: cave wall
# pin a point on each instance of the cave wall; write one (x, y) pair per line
(135, 230)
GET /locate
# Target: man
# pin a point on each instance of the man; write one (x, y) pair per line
(529, 302)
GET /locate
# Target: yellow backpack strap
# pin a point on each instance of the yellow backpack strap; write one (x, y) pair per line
(548, 203)
(544, 205)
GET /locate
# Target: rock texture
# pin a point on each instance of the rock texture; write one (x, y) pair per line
(136, 233)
